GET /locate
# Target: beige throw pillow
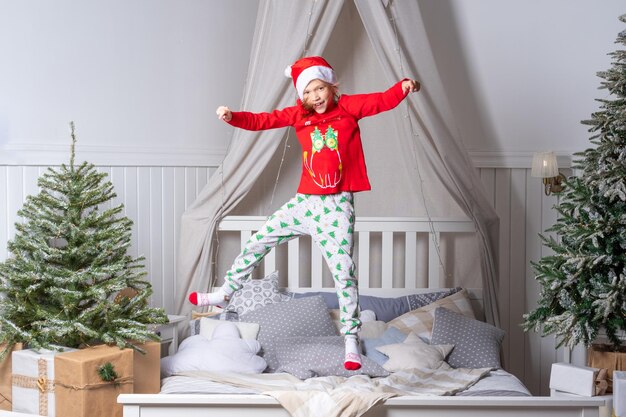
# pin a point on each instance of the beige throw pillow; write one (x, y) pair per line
(420, 321)
(414, 353)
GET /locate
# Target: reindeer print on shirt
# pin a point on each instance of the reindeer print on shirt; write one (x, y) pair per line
(324, 163)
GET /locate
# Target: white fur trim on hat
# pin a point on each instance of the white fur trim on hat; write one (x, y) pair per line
(313, 73)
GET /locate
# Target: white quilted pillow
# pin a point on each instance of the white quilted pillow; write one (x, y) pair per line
(226, 352)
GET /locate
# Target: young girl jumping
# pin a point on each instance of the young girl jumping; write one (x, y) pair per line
(333, 168)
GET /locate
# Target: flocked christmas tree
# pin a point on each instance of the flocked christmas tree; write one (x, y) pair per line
(69, 264)
(583, 284)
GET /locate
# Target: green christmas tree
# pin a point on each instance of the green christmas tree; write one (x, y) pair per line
(583, 284)
(61, 285)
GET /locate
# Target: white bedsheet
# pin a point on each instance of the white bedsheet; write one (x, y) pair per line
(334, 396)
(339, 396)
(496, 383)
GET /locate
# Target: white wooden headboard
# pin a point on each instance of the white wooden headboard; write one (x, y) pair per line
(386, 230)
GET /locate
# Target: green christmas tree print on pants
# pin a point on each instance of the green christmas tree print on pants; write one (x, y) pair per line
(329, 220)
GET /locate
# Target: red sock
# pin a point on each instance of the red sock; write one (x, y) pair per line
(193, 298)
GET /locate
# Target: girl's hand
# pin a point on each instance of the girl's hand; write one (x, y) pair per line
(410, 86)
(224, 113)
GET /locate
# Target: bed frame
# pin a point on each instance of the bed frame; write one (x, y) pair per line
(377, 239)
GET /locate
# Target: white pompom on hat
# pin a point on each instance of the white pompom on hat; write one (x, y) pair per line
(307, 69)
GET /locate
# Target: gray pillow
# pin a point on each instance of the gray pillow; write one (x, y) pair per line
(256, 293)
(194, 327)
(476, 344)
(386, 309)
(391, 336)
(307, 317)
(308, 357)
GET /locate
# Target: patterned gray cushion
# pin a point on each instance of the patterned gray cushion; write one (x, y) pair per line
(306, 317)
(256, 293)
(386, 309)
(308, 357)
(476, 344)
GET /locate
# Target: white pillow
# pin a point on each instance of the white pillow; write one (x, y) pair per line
(367, 315)
(246, 330)
(224, 353)
(414, 353)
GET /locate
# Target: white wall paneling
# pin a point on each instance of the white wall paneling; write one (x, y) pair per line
(525, 212)
(154, 198)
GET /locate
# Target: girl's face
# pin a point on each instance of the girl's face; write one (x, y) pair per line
(318, 96)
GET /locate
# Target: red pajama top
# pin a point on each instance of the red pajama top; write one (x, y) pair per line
(332, 153)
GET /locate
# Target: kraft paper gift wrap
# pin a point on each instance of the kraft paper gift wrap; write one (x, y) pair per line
(619, 393)
(147, 369)
(605, 356)
(5, 378)
(80, 392)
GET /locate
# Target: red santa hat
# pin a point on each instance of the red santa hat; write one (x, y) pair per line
(307, 69)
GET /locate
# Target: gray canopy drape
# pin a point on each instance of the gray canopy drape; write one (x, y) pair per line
(405, 50)
(399, 40)
(279, 34)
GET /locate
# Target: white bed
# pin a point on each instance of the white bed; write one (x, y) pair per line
(378, 239)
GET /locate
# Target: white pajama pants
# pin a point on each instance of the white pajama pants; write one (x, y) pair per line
(329, 220)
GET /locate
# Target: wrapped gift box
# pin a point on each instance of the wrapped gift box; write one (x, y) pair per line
(5, 378)
(81, 392)
(147, 369)
(32, 381)
(605, 356)
(574, 379)
(619, 393)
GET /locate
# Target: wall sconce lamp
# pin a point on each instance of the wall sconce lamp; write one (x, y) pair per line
(545, 166)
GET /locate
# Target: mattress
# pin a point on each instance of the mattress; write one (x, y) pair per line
(497, 383)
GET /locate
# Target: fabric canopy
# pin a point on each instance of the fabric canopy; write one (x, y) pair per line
(399, 40)
(279, 34)
(405, 50)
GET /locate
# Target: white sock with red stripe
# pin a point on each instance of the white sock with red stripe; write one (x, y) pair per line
(352, 360)
(217, 298)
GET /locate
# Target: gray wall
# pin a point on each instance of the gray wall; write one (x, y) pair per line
(142, 78)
